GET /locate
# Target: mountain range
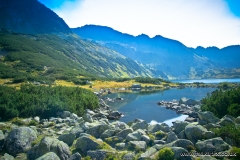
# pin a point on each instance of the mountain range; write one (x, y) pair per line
(173, 58)
(35, 43)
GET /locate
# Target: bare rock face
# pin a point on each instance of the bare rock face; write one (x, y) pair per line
(19, 140)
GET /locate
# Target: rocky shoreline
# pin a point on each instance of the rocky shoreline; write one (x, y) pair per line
(184, 106)
(98, 134)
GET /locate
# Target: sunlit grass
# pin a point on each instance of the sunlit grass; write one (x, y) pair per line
(3, 81)
(64, 83)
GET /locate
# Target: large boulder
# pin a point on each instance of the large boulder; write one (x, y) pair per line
(7, 157)
(194, 132)
(49, 156)
(186, 144)
(237, 120)
(178, 126)
(86, 143)
(109, 133)
(139, 124)
(20, 140)
(88, 118)
(171, 136)
(119, 125)
(112, 141)
(136, 135)
(189, 102)
(137, 145)
(77, 131)
(48, 144)
(145, 138)
(2, 138)
(67, 138)
(123, 134)
(177, 153)
(208, 116)
(65, 114)
(146, 155)
(128, 156)
(75, 156)
(99, 154)
(98, 130)
(212, 145)
(227, 120)
(158, 127)
(183, 143)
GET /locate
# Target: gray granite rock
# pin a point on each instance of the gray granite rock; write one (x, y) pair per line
(136, 135)
(67, 138)
(227, 120)
(178, 126)
(49, 156)
(194, 132)
(139, 124)
(123, 134)
(97, 130)
(208, 116)
(7, 157)
(2, 138)
(75, 156)
(171, 136)
(137, 145)
(147, 154)
(48, 144)
(128, 156)
(19, 140)
(212, 145)
(87, 143)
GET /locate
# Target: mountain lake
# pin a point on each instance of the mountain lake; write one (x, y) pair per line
(143, 104)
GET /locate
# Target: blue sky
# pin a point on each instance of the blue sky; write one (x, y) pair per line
(193, 22)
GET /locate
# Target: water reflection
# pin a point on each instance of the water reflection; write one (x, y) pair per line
(143, 104)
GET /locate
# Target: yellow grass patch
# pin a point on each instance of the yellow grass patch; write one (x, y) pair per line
(64, 83)
(2, 81)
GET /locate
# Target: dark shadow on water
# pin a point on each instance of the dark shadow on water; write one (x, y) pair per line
(143, 104)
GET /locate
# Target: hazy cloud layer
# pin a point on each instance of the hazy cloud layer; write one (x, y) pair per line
(193, 22)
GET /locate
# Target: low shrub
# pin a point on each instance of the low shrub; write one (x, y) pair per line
(165, 154)
(236, 151)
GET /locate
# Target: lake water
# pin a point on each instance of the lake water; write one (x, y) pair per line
(213, 81)
(143, 105)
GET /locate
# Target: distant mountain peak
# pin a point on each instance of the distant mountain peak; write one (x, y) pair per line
(143, 36)
(30, 17)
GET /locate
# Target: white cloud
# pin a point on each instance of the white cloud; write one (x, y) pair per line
(193, 22)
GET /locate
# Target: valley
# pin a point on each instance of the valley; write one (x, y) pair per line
(92, 92)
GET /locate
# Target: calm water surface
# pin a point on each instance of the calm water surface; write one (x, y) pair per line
(143, 104)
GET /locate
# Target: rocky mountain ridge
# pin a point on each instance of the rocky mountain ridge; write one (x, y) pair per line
(168, 58)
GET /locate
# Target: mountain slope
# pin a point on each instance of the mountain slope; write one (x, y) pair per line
(37, 45)
(30, 17)
(52, 57)
(162, 54)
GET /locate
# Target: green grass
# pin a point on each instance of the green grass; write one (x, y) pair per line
(47, 58)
